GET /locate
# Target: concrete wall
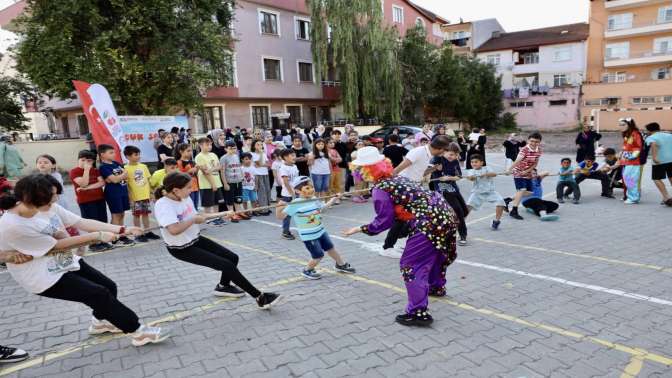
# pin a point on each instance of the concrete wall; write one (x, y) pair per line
(543, 116)
(64, 151)
(482, 31)
(410, 16)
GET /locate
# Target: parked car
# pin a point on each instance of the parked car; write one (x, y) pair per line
(404, 131)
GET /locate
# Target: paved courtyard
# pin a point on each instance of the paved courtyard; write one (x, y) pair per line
(589, 295)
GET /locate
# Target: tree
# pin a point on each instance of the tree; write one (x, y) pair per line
(418, 59)
(349, 37)
(481, 102)
(449, 86)
(11, 110)
(154, 56)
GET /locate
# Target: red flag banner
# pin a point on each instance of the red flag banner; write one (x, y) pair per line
(99, 111)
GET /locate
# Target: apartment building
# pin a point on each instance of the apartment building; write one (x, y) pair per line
(465, 37)
(405, 15)
(542, 71)
(629, 63)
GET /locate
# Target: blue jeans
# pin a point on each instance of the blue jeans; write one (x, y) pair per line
(318, 246)
(288, 220)
(320, 182)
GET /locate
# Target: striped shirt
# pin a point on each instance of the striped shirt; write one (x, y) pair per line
(529, 159)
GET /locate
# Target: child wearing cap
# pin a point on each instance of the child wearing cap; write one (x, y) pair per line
(307, 214)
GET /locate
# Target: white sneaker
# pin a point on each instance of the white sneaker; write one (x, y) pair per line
(99, 327)
(391, 253)
(147, 335)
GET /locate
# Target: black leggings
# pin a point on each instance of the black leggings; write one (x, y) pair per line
(456, 201)
(94, 289)
(399, 230)
(206, 252)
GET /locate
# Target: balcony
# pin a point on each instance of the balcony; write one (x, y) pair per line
(625, 4)
(646, 28)
(331, 90)
(649, 57)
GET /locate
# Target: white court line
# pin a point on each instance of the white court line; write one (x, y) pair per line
(639, 297)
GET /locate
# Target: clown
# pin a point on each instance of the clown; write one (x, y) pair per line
(431, 246)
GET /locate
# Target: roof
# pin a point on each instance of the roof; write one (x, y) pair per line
(13, 11)
(537, 37)
(427, 13)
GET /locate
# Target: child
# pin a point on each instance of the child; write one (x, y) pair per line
(287, 173)
(209, 181)
(661, 155)
(536, 204)
(248, 184)
(484, 189)
(261, 176)
(275, 167)
(232, 179)
(359, 184)
(179, 222)
(186, 164)
(449, 173)
(566, 180)
(116, 188)
(320, 169)
(336, 177)
(46, 165)
(139, 192)
(611, 168)
(306, 211)
(88, 186)
(523, 168)
(169, 166)
(588, 169)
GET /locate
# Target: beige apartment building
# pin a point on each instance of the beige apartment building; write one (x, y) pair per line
(629, 63)
(465, 37)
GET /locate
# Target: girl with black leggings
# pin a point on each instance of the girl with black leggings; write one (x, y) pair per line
(32, 225)
(179, 222)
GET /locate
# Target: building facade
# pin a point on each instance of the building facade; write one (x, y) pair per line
(542, 71)
(629, 63)
(405, 15)
(465, 37)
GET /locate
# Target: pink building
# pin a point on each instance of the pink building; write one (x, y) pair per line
(405, 15)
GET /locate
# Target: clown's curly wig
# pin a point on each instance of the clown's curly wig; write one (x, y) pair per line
(373, 172)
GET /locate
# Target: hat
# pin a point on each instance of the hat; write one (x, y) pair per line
(299, 180)
(368, 156)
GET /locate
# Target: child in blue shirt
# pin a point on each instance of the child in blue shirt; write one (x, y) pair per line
(306, 211)
(116, 188)
(566, 181)
(588, 169)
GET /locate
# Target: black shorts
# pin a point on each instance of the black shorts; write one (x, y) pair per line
(234, 194)
(96, 210)
(210, 198)
(661, 171)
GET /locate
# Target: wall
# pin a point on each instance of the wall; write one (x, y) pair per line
(237, 113)
(64, 151)
(482, 31)
(543, 116)
(410, 15)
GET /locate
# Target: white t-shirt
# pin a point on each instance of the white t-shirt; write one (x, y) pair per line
(289, 171)
(419, 158)
(34, 237)
(259, 171)
(321, 165)
(248, 177)
(167, 212)
(275, 166)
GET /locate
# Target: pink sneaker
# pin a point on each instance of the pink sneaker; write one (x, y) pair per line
(359, 199)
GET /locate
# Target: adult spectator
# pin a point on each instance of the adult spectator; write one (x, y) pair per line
(218, 138)
(660, 145)
(395, 131)
(512, 146)
(585, 143)
(157, 141)
(11, 163)
(166, 150)
(395, 151)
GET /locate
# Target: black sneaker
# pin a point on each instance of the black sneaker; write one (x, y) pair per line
(420, 318)
(152, 236)
(100, 247)
(141, 239)
(266, 300)
(437, 292)
(495, 225)
(607, 195)
(8, 354)
(288, 236)
(228, 291)
(124, 242)
(345, 268)
(514, 214)
(507, 201)
(561, 200)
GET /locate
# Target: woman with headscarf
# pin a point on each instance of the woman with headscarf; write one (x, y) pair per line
(632, 160)
(431, 247)
(218, 138)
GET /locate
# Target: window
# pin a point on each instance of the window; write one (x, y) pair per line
(618, 51)
(420, 22)
(294, 113)
(562, 54)
(213, 118)
(643, 100)
(661, 74)
(607, 101)
(662, 45)
(260, 117)
(531, 58)
(613, 77)
(397, 14)
(560, 80)
(558, 103)
(620, 21)
(522, 104)
(460, 34)
(493, 59)
(305, 72)
(665, 14)
(667, 99)
(272, 69)
(83, 124)
(268, 22)
(302, 29)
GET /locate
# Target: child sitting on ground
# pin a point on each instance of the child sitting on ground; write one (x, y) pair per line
(484, 189)
(612, 168)
(588, 169)
(535, 202)
(566, 181)
(307, 214)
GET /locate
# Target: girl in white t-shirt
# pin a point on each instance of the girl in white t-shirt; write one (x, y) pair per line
(320, 167)
(32, 225)
(180, 230)
(262, 181)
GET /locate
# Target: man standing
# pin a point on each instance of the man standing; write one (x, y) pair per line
(661, 154)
